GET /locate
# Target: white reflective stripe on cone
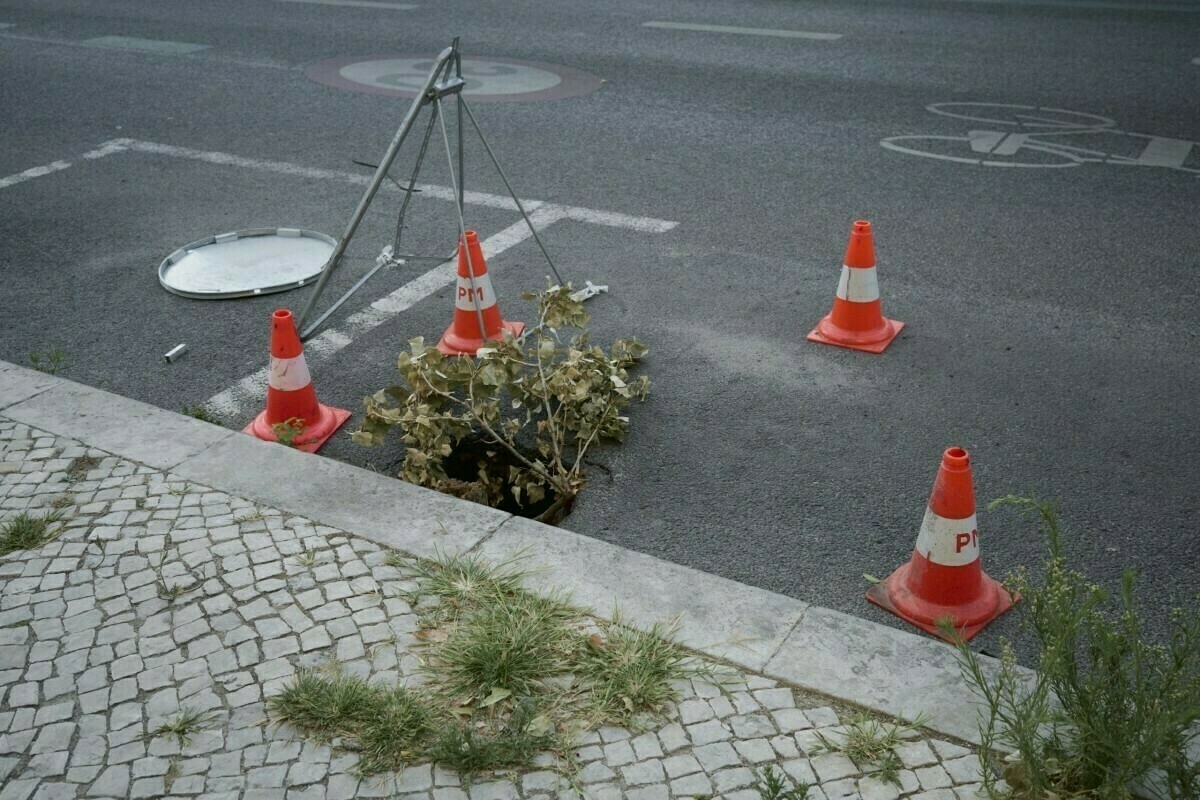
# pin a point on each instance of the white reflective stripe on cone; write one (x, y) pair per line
(949, 542)
(288, 374)
(858, 284)
(463, 299)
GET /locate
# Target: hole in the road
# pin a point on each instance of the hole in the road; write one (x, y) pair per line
(463, 466)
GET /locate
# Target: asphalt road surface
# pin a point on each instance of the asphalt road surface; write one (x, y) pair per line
(1035, 227)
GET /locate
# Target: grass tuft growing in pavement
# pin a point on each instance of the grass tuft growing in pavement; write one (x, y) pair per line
(27, 532)
(49, 362)
(508, 674)
(870, 743)
(772, 785)
(629, 670)
(510, 645)
(201, 414)
(470, 750)
(461, 581)
(61, 501)
(171, 591)
(184, 725)
(325, 706)
(385, 724)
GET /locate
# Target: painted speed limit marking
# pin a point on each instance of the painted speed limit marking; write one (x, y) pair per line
(487, 79)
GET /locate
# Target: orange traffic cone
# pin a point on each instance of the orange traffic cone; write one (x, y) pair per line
(290, 394)
(857, 318)
(944, 578)
(463, 337)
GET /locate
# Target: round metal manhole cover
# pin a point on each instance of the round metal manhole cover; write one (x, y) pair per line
(488, 79)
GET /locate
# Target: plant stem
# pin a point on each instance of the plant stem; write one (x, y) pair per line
(583, 448)
(548, 515)
(469, 408)
(555, 436)
(497, 438)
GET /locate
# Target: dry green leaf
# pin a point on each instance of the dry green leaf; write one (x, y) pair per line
(496, 696)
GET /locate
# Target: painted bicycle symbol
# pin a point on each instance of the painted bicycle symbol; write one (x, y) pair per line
(1045, 138)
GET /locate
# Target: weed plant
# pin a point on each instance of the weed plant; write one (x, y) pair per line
(310, 557)
(462, 582)
(564, 395)
(171, 591)
(512, 645)
(470, 750)
(871, 745)
(49, 362)
(287, 431)
(186, 724)
(385, 724)
(629, 671)
(27, 532)
(772, 785)
(80, 467)
(201, 414)
(1108, 713)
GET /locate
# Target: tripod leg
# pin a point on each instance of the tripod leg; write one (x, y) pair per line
(462, 224)
(380, 173)
(462, 165)
(464, 107)
(412, 184)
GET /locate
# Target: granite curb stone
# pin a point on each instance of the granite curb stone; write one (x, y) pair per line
(818, 649)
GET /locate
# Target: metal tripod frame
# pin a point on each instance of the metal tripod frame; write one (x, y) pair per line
(445, 78)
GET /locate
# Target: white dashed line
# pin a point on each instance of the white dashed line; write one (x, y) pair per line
(106, 149)
(33, 172)
(158, 46)
(355, 4)
(607, 218)
(206, 57)
(782, 34)
(284, 168)
(592, 216)
(1090, 5)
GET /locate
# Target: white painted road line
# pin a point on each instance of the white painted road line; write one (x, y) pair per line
(299, 171)
(355, 4)
(608, 218)
(783, 34)
(106, 149)
(33, 172)
(218, 59)
(247, 394)
(158, 46)
(1090, 5)
(249, 391)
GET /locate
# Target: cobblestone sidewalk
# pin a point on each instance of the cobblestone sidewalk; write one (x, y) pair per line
(162, 597)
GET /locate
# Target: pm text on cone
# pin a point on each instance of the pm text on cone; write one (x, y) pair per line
(944, 579)
(290, 393)
(474, 302)
(857, 320)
